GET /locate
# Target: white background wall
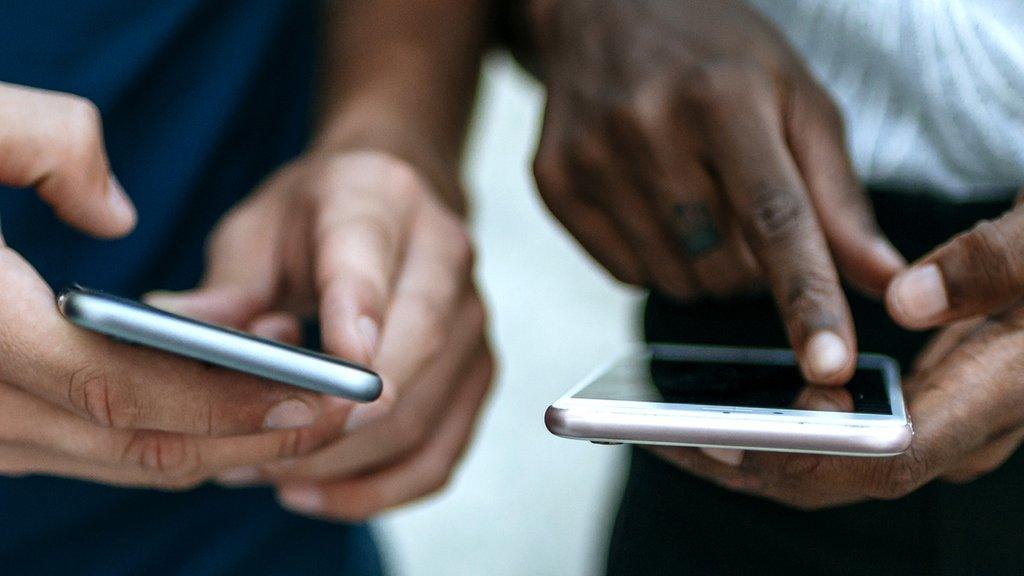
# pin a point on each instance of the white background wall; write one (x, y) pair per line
(524, 502)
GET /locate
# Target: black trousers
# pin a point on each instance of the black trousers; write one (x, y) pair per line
(672, 523)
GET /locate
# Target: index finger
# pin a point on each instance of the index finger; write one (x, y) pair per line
(54, 143)
(359, 243)
(769, 198)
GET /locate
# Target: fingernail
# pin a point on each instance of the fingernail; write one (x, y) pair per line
(920, 294)
(243, 476)
(728, 456)
(368, 332)
(826, 354)
(119, 203)
(291, 413)
(302, 499)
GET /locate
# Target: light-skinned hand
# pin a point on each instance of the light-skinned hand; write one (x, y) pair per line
(359, 240)
(77, 404)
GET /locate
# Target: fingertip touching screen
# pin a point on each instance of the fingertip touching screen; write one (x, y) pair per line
(736, 382)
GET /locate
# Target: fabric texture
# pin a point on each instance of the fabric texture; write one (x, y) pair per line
(932, 91)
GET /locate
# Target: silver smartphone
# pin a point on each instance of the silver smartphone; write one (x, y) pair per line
(137, 323)
(734, 398)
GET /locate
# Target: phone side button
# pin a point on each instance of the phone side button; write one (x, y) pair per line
(605, 443)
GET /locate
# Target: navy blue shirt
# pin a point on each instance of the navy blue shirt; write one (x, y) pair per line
(201, 99)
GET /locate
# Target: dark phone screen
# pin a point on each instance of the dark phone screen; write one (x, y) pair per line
(738, 384)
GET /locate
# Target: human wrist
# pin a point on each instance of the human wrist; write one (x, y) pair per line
(395, 135)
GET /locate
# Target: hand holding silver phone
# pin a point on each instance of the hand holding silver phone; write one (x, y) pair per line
(137, 323)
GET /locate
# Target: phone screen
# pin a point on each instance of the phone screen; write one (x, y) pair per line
(749, 384)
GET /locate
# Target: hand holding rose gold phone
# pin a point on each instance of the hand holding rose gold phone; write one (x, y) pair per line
(745, 398)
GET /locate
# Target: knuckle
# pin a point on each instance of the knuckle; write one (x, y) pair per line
(404, 181)
(84, 127)
(589, 151)
(172, 459)
(972, 361)
(377, 231)
(348, 242)
(808, 301)
(777, 217)
(703, 82)
(900, 476)
(713, 84)
(433, 334)
(411, 429)
(650, 105)
(372, 230)
(551, 173)
(213, 414)
(94, 392)
(296, 442)
(82, 114)
(209, 419)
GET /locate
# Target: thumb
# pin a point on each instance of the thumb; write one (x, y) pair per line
(54, 143)
(979, 272)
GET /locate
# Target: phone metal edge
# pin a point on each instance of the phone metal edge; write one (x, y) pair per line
(887, 435)
(135, 323)
(821, 438)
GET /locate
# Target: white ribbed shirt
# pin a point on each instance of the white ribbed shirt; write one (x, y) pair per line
(932, 91)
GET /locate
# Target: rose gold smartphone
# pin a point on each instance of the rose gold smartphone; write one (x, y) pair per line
(746, 398)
